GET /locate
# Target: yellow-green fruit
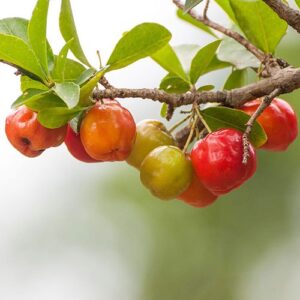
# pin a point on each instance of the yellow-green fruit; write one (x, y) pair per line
(150, 135)
(166, 172)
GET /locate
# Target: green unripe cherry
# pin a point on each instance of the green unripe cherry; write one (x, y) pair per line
(166, 172)
(150, 135)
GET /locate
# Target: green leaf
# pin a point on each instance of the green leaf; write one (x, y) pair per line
(29, 94)
(15, 51)
(37, 32)
(234, 53)
(68, 31)
(208, 87)
(224, 117)
(27, 83)
(186, 53)
(174, 84)
(217, 64)
(141, 41)
(189, 4)
(167, 58)
(225, 5)
(202, 60)
(69, 92)
(15, 26)
(187, 18)
(58, 116)
(236, 79)
(164, 110)
(298, 3)
(85, 76)
(260, 23)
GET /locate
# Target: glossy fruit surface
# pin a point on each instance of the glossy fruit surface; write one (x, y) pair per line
(197, 195)
(279, 122)
(217, 161)
(28, 136)
(150, 135)
(75, 147)
(108, 131)
(166, 172)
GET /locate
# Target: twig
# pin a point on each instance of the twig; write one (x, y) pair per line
(105, 83)
(264, 104)
(206, 9)
(234, 35)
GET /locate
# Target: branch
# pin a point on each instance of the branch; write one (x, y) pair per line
(287, 80)
(234, 35)
(290, 15)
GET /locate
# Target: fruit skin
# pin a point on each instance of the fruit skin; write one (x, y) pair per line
(108, 131)
(28, 136)
(150, 135)
(279, 122)
(217, 161)
(166, 172)
(75, 147)
(197, 195)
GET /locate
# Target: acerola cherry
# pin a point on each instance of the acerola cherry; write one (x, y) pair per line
(150, 135)
(108, 131)
(197, 195)
(166, 172)
(75, 147)
(279, 122)
(217, 161)
(28, 136)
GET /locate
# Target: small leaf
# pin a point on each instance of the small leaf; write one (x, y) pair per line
(37, 30)
(15, 26)
(202, 60)
(234, 53)
(164, 110)
(29, 94)
(224, 117)
(58, 116)
(69, 92)
(173, 84)
(28, 83)
(15, 51)
(141, 41)
(203, 88)
(187, 18)
(261, 25)
(68, 31)
(236, 79)
(85, 76)
(167, 58)
(190, 4)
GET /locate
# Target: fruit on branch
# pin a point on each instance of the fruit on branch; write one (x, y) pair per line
(28, 136)
(217, 161)
(166, 172)
(150, 135)
(108, 131)
(279, 122)
(75, 147)
(197, 195)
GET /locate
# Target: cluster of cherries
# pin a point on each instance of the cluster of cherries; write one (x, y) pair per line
(108, 133)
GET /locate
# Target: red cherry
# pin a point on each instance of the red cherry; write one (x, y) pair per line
(75, 147)
(279, 122)
(217, 161)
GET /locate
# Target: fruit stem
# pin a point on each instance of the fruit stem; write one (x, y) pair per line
(189, 139)
(202, 119)
(179, 123)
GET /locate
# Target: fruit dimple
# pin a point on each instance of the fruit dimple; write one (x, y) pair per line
(25, 141)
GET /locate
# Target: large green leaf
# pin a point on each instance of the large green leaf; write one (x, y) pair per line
(236, 79)
(224, 117)
(194, 22)
(260, 23)
(201, 61)
(15, 26)
(68, 31)
(58, 116)
(225, 5)
(167, 58)
(37, 32)
(27, 83)
(174, 84)
(189, 4)
(141, 41)
(69, 92)
(15, 51)
(234, 53)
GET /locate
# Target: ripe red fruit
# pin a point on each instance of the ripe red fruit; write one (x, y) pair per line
(217, 161)
(197, 195)
(279, 122)
(108, 131)
(75, 147)
(28, 136)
